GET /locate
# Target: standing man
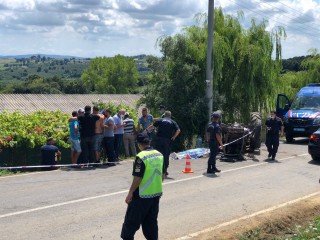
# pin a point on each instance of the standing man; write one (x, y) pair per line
(118, 132)
(74, 138)
(213, 137)
(168, 130)
(145, 121)
(129, 137)
(108, 136)
(87, 124)
(144, 193)
(49, 154)
(274, 127)
(98, 133)
(162, 109)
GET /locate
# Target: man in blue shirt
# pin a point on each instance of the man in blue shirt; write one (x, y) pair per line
(108, 136)
(118, 132)
(74, 138)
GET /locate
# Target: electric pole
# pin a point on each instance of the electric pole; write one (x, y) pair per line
(209, 73)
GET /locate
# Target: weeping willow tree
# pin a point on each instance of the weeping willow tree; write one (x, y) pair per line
(244, 72)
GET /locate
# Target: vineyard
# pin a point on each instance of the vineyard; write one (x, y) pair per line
(21, 136)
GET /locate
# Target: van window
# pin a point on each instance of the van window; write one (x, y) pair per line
(306, 103)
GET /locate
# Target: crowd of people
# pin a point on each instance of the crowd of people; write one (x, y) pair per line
(98, 136)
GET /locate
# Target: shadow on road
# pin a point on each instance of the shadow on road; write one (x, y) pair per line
(313, 162)
(298, 141)
(212, 175)
(271, 161)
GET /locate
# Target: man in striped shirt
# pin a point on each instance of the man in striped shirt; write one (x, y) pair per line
(129, 136)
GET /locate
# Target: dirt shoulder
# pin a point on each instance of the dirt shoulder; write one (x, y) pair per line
(280, 222)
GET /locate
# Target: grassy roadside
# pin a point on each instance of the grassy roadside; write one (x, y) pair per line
(307, 232)
(4, 173)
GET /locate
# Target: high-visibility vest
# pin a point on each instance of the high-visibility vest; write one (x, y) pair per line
(151, 184)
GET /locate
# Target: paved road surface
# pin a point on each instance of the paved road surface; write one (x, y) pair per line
(90, 204)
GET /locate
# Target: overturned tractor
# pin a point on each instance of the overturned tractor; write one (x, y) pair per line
(239, 138)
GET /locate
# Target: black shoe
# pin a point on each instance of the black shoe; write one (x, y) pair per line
(166, 174)
(216, 170)
(273, 158)
(269, 155)
(210, 171)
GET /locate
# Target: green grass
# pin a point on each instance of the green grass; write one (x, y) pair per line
(8, 173)
(310, 232)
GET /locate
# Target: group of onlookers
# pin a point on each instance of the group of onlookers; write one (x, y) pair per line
(92, 134)
(98, 132)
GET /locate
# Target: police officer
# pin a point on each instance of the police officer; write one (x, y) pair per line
(213, 137)
(145, 192)
(167, 131)
(274, 126)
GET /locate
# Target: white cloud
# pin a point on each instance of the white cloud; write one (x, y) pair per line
(103, 27)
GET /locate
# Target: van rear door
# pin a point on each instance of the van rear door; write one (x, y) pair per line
(283, 105)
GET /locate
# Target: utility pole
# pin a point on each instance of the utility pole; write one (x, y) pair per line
(209, 73)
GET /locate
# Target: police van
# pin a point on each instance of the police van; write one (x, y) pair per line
(301, 118)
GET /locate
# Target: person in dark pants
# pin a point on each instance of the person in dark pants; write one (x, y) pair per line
(213, 137)
(49, 154)
(274, 126)
(108, 137)
(145, 192)
(87, 124)
(168, 130)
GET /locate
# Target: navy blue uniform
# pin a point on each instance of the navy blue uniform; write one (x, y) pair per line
(141, 211)
(166, 129)
(272, 138)
(48, 155)
(213, 129)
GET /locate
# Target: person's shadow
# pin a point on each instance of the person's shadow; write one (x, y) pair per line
(210, 175)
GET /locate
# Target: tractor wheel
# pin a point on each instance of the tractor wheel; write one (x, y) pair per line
(255, 127)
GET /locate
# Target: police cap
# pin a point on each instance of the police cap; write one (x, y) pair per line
(215, 115)
(143, 138)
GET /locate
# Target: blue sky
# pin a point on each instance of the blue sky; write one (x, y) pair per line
(90, 28)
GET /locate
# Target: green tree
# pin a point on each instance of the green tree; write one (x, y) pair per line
(244, 72)
(118, 74)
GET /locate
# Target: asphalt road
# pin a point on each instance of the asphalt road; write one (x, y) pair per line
(89, 204)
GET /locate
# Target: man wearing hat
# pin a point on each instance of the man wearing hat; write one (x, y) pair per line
(213, 137)
(144, 193)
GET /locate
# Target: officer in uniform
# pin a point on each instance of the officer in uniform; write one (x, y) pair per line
(274, 126)
(213, 137)
(167, 131)
(145, 192)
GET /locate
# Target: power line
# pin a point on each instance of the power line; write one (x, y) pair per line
(257, 12)
(292, 9)
(293, 17)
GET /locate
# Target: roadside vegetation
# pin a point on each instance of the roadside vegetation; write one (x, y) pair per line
(310, 231)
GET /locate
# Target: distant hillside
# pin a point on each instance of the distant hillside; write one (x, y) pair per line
(293, 64)
(20, 67)
(41, 55)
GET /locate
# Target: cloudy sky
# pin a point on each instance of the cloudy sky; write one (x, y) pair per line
(90, 28)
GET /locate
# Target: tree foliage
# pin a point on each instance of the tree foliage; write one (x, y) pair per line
(244, 72)
(111, 75)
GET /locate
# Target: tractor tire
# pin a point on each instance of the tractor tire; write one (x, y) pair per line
(255, 128)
